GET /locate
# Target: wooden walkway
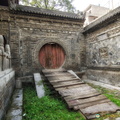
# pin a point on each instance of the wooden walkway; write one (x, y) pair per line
(78, 95)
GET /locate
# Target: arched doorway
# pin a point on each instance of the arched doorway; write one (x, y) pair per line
(51, 56)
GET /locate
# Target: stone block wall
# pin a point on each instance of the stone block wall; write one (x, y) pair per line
(7, 83)
(103, 53)
(28, 34)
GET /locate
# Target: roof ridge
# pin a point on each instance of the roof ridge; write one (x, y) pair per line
(35, 10)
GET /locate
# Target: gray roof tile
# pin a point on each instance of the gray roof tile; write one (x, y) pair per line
(41, 11)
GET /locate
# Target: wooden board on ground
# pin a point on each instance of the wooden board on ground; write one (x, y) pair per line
(60, 77)
(73, 103)
(77, 107)
(79, 95)
(82, 95)
(58, 74)
(100, 108)
(68, 84)
(45, 71)
(68, 87)
(78, 90)
(63, 80)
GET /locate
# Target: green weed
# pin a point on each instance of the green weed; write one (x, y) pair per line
(49, 107)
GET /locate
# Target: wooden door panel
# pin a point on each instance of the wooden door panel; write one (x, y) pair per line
(51, 56)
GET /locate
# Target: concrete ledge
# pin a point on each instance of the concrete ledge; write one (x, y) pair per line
(39, 85)
(102, 84)
(25, 79)
(107, 77)
(5, 72)
(5, 79)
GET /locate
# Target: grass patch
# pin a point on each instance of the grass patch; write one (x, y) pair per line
(50, 107)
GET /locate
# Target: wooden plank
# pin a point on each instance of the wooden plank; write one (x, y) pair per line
(68, 84)
(82, 95)
(68, 87)
(100, 108)
(73, 103)
(79, 95)
(61, 76)
(75, 91)
(77, 107)
(58, 74)
(53, 70)
(62, 80)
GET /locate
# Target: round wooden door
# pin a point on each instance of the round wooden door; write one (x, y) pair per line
(51, 56)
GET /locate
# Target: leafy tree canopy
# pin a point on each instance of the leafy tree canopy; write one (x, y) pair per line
(62, 5)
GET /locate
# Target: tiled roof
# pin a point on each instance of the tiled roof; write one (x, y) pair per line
(41, 11)
(103, 20)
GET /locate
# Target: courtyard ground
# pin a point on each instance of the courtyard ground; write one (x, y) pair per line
(53, 107)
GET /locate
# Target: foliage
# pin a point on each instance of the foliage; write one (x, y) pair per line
(50, 107)
(63, 5)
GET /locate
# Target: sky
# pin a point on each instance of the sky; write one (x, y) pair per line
(83, 4)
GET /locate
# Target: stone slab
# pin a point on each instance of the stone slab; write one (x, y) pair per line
(39, 85)
(102, 84)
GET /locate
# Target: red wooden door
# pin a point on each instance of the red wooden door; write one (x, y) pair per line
(51, 56)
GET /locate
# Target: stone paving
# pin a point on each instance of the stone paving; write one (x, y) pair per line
(15, 111)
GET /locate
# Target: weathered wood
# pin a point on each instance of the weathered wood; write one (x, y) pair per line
(58, 74)
(60, 77)
(77, 107)
(73, 103)
(62, 80)
(68, 87)
(82, 95)
(100, 108)
(68, 84)
(75, 91)
(79, 95)
(53, 70)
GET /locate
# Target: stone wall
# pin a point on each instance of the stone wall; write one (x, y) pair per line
(7, 82)
(28, 34)
(103, 53)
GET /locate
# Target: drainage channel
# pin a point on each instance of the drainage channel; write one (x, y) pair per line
(15, 111)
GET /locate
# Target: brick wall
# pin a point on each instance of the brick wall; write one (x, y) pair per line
(28, 34)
